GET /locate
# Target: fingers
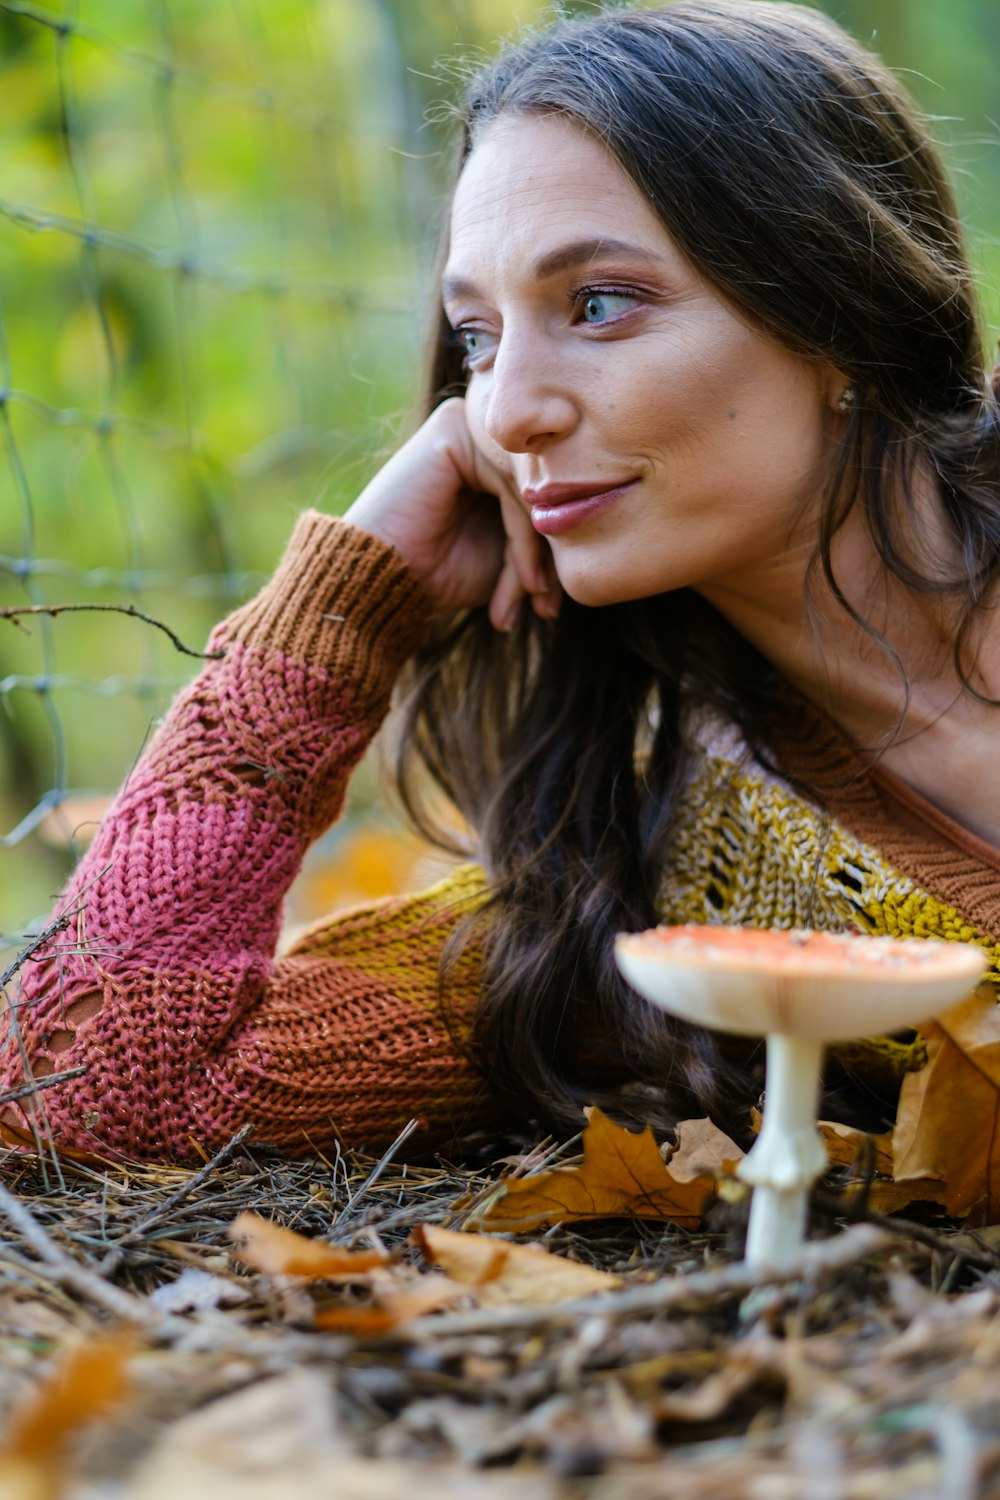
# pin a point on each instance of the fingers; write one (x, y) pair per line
(510, 591)
(528, 570)
(507, 598)
(530, 557)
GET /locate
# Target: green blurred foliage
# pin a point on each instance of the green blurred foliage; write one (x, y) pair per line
(216, 228)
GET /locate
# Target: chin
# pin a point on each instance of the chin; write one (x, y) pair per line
(598, 587)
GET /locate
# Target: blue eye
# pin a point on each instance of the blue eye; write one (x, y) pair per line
(475, 343)
(603, 307)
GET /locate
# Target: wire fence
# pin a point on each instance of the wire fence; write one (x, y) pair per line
(214, 223)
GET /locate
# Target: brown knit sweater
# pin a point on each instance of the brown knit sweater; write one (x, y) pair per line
(163, 988)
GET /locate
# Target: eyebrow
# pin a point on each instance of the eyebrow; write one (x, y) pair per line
(578, 252)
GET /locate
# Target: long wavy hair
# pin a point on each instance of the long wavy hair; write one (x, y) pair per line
(798, 177)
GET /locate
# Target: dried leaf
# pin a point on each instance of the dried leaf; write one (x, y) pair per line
(742, 1370)
(888, 1197)
(281, 1252)
(474, 1259)
(508, 1273)
(622, 1176)
(948, 1120)
(194, 1290)
(87, 1380)
(360, 1320)
(702, 1150)
(395, 1299)
(846, 1147)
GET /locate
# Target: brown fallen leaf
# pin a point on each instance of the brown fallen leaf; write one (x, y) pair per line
(948, 1119)
(508, 1273)
(281, 1252)
(88, 1379)
(622, 1176)
(846, 1145)
(702, 1150)
(396, 1297)
(474, 1259)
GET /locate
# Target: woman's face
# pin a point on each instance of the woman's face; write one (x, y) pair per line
(656, 439)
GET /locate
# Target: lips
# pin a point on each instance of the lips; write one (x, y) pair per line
(557, 509)
(550, 496)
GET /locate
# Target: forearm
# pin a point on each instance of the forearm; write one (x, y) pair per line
(188, 872)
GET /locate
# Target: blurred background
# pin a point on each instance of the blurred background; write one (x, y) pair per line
(217, 223)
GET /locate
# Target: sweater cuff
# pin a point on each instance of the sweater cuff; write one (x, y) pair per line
(340, 600)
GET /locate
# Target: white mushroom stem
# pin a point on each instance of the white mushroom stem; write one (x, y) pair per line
(788, 1155)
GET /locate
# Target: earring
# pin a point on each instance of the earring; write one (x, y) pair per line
(847, 398)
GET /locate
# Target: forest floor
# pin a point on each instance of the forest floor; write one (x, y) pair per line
(872, 1373)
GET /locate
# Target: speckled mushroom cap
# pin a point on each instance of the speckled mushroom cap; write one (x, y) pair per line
(819, 985)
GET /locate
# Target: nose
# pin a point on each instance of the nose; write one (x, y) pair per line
(528, 398)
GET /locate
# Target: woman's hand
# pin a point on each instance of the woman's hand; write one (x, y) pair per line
(458, 523)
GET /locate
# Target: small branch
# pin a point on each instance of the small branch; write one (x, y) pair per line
(69, 1271)
(377, 1170)
(46, 1082)
(14, 613)
(821, 1257)
(114, 1256)
(59, 924)
(983, 1259)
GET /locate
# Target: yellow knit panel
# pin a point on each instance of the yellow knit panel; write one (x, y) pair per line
(748, 852)
(751, 852)
(399, 939)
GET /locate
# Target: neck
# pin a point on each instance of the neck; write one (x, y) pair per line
(883, 673)
(896, 693)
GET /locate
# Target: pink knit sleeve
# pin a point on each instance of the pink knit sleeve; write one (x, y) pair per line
(163, 990)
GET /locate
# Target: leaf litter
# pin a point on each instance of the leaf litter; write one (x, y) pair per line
(264, 1327)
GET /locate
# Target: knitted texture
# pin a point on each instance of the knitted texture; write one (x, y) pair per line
(164, 989)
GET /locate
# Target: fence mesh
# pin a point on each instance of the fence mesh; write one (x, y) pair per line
(214, 224)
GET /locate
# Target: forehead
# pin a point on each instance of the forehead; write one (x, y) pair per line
(534, 182)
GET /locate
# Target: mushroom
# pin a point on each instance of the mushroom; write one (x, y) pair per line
(800, 990)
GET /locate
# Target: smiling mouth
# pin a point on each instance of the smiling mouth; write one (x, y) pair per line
(552, 496)
(558, 509)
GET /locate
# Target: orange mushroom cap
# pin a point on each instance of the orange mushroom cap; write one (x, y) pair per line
(827, 986)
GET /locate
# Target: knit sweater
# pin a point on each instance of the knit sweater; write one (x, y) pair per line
(164, 998)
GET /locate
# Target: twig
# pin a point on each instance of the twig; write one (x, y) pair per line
(69, 1271)
(822, 1257)
(984, 1259)
(376, 1171)
(59, 924)
(115, 1254)
(14, 612)
(46, 1082)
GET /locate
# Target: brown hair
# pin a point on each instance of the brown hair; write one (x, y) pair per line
(797, 176)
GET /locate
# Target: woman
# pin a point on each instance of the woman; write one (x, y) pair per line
(686, 583)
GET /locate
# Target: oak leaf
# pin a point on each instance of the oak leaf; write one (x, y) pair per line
(622, 1176)
(847, 1146)
(948, 1119)
(281, 1252)
(502, 1272)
